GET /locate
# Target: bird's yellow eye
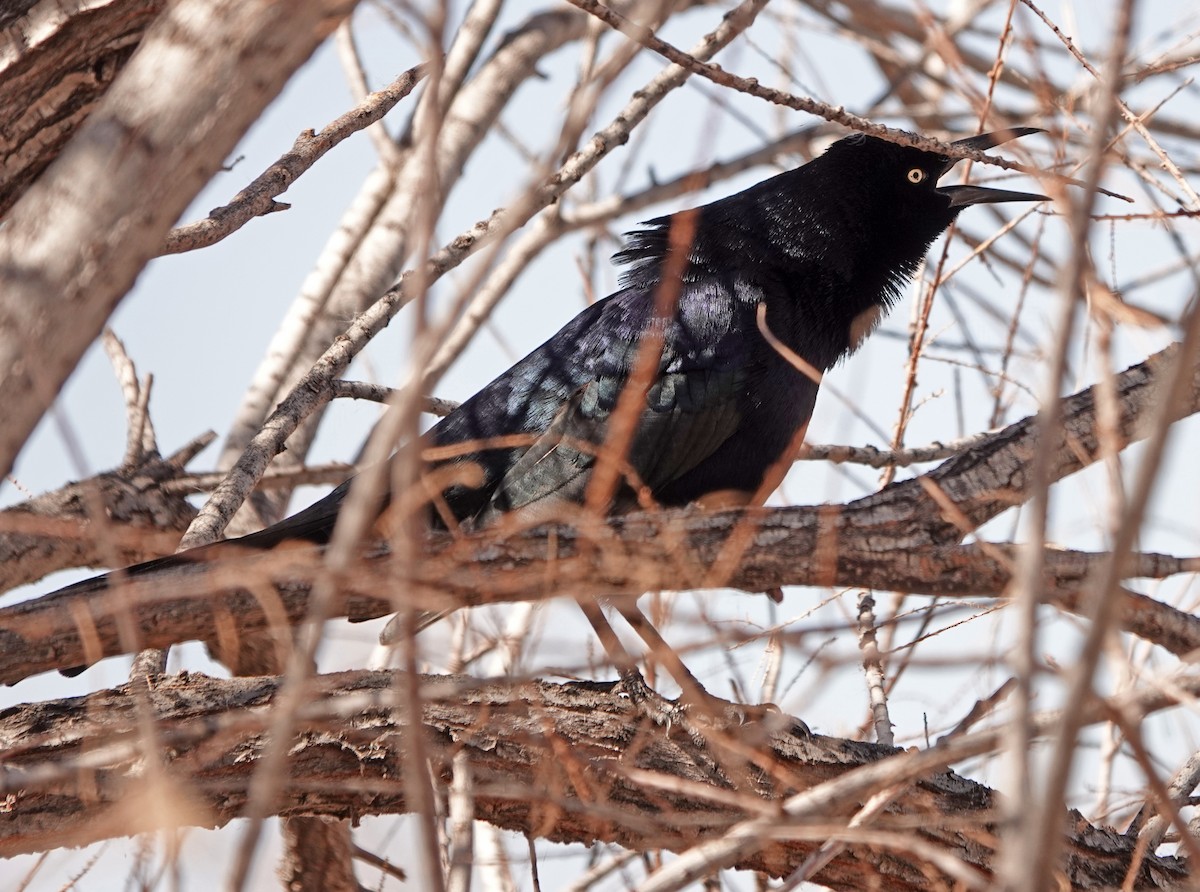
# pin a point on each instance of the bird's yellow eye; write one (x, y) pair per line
(916, 175)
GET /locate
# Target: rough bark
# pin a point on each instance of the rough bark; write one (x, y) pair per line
(227, 600)
(113, 519)
(897, 539)
(56, 60)
(78, 238)
(569, 763)
(319, 856)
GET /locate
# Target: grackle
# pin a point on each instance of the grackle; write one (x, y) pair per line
(746, 301)
(826, 249)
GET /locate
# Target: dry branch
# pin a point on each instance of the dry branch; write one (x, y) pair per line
(258, 198)
(568, 763)
(56, 60)
(74, 243)
(218, 602)
(120, 517)
(548, 759)
(902, 539)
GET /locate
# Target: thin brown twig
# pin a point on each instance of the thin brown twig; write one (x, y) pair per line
(1126, 111)
(835, 114)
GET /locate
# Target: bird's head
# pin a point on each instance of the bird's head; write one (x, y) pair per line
(896, 187)
(907, 178)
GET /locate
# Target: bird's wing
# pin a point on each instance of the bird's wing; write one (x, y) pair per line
(692, 405)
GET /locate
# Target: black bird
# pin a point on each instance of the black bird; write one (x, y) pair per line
(825, 249)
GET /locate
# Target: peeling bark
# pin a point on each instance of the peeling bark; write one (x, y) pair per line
(564, 762)
(56, 60)
(114, 519)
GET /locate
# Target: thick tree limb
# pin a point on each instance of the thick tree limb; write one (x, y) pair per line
(240, 594)
(899, 539)
(989, 478)
(55, 532)
(78, 238)
(119, 517)
(56, 60)
(569, 763)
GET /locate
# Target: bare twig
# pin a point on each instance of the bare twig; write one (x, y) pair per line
(258, 198)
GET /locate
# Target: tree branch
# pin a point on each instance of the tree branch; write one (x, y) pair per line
(116, 518)
(258, 198)
(74, 243)
(57, 59)
(564, 762)
(900, 539)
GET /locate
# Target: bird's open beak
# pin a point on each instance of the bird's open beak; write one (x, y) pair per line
(985, 141)
(961, 196)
